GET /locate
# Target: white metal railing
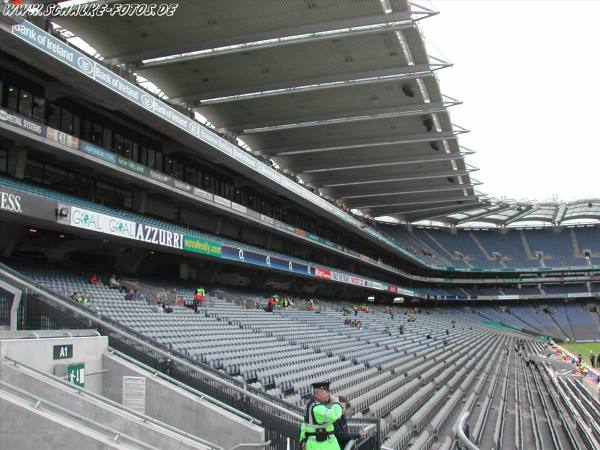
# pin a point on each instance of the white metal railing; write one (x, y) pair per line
(460, 433)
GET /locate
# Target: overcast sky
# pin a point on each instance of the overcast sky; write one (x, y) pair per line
(528, 74)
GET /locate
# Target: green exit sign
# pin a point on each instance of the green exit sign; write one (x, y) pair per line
(62, 351)
(76, 374)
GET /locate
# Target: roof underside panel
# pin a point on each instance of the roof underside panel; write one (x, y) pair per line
(342, 94)
(337, 102)
(212, 21)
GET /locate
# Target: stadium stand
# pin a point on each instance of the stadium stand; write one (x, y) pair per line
(363, 364)
(490, 249)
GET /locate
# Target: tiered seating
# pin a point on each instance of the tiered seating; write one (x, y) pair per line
(439, 246)
(582, 323)
(506, 244)
(556, 246)
(587, 238)
(413, 381)
(430, 238)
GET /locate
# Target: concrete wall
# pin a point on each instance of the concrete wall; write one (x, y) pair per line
(181, 409)
(38, 354)
(93, 409)
(22, 428)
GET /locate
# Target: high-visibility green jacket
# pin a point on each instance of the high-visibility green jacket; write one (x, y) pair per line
(320, 416)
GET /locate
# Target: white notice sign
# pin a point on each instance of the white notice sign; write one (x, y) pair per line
(134, 393)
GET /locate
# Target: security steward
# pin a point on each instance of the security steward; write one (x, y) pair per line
(322, 411)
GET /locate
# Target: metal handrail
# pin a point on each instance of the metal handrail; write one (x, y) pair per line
(142, 417)
(21, 279)
(257, 445)
(460, 433)
(38, 402)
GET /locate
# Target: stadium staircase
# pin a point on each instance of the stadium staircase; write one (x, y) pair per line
(595, 316)
(481, 247)
(530, 256)
(122, 425)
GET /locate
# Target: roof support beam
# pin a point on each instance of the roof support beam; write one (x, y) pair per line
(361, 143)
(429, 201)
(298, 39)
(528, 211)
(486, 213)
(560, 213)
(423, 199)
(432, 190)
(280, 37)
(309, 84)
(348, 117)
(353, 180)
(427, 212)
(434, 213)
(382, 189)
(370, 163)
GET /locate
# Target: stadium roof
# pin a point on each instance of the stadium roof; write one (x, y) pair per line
(510, 213)
(341, 93)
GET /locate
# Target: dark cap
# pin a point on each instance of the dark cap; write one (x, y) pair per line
(321, 385)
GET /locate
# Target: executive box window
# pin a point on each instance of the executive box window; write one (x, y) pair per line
(111, 195)
(77, 184)
(25, 103)
(76, 120)
(107, 137)
(53, 115)
(38, 109)
(66, 121)
(12, 98)
(3, 161)
(34, 170)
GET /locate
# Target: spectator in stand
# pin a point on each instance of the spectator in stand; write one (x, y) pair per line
(401, 329)
(129, 295)
(79, 298)
(115, 284)
(199, 295)
(342, 434)
(387, 330)
(355, 309)
(95, 280)
(271, 304)
(391, 313)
